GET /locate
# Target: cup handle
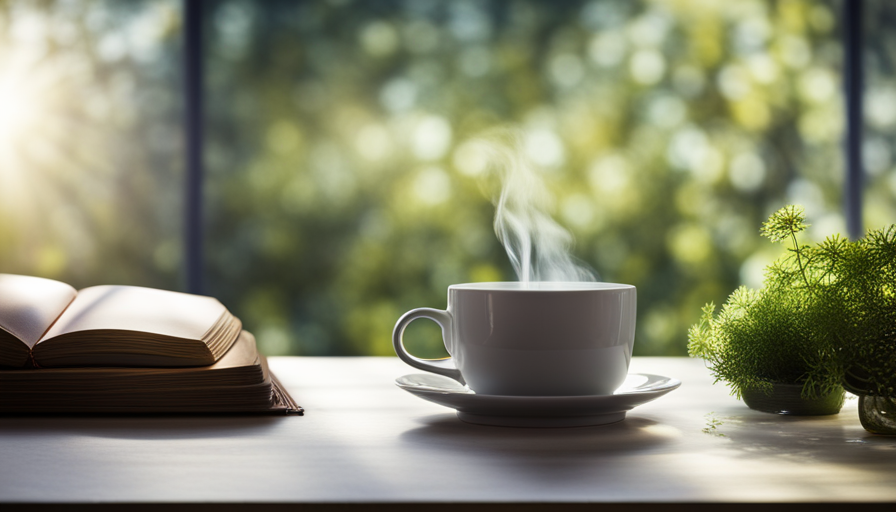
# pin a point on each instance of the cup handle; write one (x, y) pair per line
(444, 366)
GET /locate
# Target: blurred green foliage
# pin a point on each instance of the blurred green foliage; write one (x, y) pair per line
(341, 192)
(90, 149)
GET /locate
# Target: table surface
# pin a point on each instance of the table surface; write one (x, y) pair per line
(362, 439)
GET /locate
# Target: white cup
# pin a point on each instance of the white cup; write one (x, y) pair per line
(535, 339)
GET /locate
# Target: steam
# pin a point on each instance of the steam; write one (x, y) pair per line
(537, 245)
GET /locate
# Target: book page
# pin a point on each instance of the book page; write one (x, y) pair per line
(132, 308)
(29, 305)
(241, 355)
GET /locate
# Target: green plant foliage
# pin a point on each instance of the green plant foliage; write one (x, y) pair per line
(825, 317)
(862, 300)
(784, 224)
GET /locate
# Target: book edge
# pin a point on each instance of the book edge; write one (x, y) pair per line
(282, 395)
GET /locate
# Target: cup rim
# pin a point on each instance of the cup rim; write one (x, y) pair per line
(541, 286)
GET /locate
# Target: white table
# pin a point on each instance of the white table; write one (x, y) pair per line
(363, 440)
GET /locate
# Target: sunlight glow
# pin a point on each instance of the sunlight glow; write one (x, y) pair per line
(19, 120)
(14, 105)
(13, 111)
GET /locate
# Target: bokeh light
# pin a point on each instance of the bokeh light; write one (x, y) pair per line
(341, 184)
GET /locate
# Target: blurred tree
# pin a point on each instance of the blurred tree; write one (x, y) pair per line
(341, 189)
(345, 194)
(90, 141)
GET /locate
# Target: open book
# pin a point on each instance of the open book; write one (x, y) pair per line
(48, 324)
(126, 349)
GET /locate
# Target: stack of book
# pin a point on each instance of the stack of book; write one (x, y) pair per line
(127, 349)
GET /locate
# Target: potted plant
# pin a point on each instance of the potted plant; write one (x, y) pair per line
(824, 320)
(770, 345)
(861, 301)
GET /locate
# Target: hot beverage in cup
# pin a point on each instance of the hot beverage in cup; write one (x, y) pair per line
(532, 339)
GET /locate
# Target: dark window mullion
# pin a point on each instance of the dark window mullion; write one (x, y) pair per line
(853, 74)
(193, 67)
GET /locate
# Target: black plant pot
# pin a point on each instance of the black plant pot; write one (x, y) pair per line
(787, 399)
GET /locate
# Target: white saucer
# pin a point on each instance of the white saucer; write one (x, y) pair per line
(538, 411)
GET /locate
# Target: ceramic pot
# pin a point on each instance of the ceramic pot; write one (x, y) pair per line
(787, 399)
(878, 414)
